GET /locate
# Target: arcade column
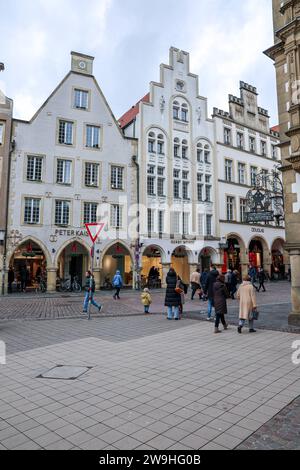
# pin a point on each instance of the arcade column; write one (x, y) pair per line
(294, 317)
(97, 278)
(51, 280)
(165, 270)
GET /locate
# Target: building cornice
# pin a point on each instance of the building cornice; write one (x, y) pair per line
(244, 224)
(237, 149)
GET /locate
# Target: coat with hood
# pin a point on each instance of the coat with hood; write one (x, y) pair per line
(146, 298)
(117, 280)
(211, 279)
(172, 299)
(247, 298)
(220, 295)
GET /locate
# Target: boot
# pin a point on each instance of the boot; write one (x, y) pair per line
(225, 326)
(217, 330)
(239, 329)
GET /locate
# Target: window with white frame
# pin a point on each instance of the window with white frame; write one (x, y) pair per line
(228, 170)
(64, 171)
(208, 225)
(160, 144)
(160, 186)
(1, 133)
(117, 177)
(243, 205)
(62, 212)
(151, 186)
(32, 210)
(252, 144)
(185, 223)
(185, 190)
(274, 152)
(93, 137)
(242, 173)
(199, 153)
(90, 212)
(150, 220)
(81, 99)
(151, 142)
(91, 176)
(176, 189)
(176, 147)
(184, 149)
(65, 132)
(227, 136)
(240, 140)
(207, 151)
(176, 110)
(160, 171)
(34, 168)
(176, 222)
(176, 173)
(185, 175)
(230, 200)
(207, 193)
(253, 175)
(161, 217)
(151, 170)
(116, 216)
(184, 112)
(199, 188)
(264, 178)
(263, 147)
(200, 225)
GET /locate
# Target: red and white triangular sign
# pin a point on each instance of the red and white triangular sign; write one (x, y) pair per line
(94, 230)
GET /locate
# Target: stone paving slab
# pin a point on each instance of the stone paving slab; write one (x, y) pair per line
(220, 388)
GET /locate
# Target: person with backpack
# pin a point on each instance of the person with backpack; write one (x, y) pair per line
(89, 293)
(118, 284)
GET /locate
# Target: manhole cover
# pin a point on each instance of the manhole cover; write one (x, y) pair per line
(64, 372)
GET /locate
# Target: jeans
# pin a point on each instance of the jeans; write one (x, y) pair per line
(220, 317)
(261, 285)
(242, 323)
(146, 308)
(86, 301)
(117, 292)
(170, 312)
(195, 287)
(210, 307)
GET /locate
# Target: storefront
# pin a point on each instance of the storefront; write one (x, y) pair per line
(232, 255)
(151, 274)
(73, 261)
(256, 253)
(117, 258)
(278, 266)
(180, 262)
(29, 264)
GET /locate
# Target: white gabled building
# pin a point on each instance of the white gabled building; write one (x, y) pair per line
(245, 147)
(179, 214)
(71, 165)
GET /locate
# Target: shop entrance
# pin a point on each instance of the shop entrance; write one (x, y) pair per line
(151, 274)
(278, 267)
(73, 261)
(256, 253)
(28, 265)
(180, 262)
(117, 258)
(232, 259)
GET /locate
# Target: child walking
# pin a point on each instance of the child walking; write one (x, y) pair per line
(146, 300)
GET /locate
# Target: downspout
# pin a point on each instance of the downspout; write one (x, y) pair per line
(137, 243)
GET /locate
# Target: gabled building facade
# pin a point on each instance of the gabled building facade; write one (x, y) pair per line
(176, 158)
(71, 165)
(245, 148)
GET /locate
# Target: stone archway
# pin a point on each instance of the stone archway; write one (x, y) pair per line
(180, 260)
(152, 273)
(73, 259)
(117, 256)
(208, 256)
(279, 259)
(259, 253)
(234, 256)
(29, 261)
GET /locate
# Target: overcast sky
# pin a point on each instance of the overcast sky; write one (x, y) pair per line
(129, 39)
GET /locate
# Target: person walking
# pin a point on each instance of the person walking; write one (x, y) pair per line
(261, 279)
(195, 283)
(233, 283)
(118, 284)
(252, 273)
(228, 279)
(89, 293)
(23, 278)
(183, 290)
(11, 278)
(203, 279)
(247, 297)
(146, 300)
(172, 298)
(208, 290)
(221, 293)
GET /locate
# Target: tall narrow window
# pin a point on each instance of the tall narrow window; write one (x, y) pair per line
(199, 153)
(176, 222)
(161, 216)
(92, 137)
(151, 186)
(227, 136)
(253, 175)
(184, 149)
(230, 208)
(228, 170)
(252, 144)
(176, 109)
(116, 216)
(62, 212)
(240, 140)
(117, 177)
(64, 168)
(176, 189)
(90, 212)
(184, 113)
(91, 177)
(160, 144)
(185, 190)
(65, 132)
(263, 147)
(185, 223)
(274, 152)
(160, 187)
(32, 211)
(243, 210)
(34, 168)
(200, 225)
(207, 158)
(176, 147)
(81, 99)
(151, 142)
(150, 220)
(208, 225)
(1, 133)
(242, 173)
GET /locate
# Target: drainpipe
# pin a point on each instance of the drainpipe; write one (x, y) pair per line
(11, 150)
(137, 243)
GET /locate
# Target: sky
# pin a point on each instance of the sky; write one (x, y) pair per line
(130, 39)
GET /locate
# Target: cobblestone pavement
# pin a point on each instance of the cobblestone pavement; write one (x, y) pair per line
(153, 384)
(280, 433)
(274, 306)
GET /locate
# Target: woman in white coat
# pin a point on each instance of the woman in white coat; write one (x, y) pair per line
(247, 297)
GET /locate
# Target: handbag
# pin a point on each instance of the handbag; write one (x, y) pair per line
(254, 314)
(178, 290)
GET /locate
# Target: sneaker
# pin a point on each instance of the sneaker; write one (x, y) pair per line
(208, 319)
(225, 327)
(100, 308)
(239, 329)
(176, 318)
(252, 331)
(84, 312)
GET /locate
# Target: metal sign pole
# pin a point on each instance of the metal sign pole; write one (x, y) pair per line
(91, 282)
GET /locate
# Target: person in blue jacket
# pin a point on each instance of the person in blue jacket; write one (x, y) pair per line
(118, 284)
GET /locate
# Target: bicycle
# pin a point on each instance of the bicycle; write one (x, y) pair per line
(66, 285)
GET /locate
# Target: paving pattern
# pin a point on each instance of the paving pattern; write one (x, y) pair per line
(153, 384)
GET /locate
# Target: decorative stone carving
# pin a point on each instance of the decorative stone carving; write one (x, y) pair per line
(295, 143)
(199, 114)
(162, 104)
(14, 238)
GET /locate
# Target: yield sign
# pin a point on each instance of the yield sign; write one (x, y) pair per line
(94, 230)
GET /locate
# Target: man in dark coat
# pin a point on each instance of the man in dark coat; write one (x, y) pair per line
(11, 278)
(172, 299)
(261, 279)
(233, 283)
(220, 295)
(208, 290)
